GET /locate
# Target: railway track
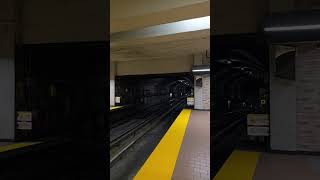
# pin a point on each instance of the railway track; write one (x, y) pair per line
(123, 136)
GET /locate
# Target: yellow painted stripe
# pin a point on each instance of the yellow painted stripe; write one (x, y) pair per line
(16, 146)
(115, 107)
(240, 165)
(161, 162)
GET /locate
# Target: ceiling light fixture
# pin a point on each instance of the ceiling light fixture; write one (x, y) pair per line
(184, 26)
(292, 28)
(201, 70)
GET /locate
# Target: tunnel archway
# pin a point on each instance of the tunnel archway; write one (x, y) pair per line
(155, 88)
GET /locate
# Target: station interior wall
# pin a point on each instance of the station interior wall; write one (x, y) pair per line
(282, 110)
(294, 109)
(307, 100)
(202, 94)
(155, 66)
(41, 22)
(7, 80)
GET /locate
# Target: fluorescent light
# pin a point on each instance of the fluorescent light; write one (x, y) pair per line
(293, 28)
(200, 70)
(190, 25)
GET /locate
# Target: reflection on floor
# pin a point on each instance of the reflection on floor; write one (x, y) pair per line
(115, 107)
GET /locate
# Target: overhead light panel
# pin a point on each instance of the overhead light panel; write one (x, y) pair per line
(184, 26)
(201, 69)
(292, 28)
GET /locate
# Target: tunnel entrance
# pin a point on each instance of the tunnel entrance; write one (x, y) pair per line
(153, 89)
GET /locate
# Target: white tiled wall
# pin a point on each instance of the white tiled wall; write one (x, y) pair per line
(202, 94)
(112, 84)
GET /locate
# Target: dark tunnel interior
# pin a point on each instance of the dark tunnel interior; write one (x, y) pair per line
(152, 89)
(240, 87)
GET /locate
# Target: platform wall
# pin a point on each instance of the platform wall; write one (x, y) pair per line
(308, 98)
(282, 110)
(7, 80)
(153, 66)
(202, 94)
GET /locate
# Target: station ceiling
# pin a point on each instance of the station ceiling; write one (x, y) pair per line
(140, 31)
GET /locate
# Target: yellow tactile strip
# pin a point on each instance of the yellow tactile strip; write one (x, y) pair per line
(115, 107)
(161, 162)
(16, 146)
(194, 156)
(240, 165)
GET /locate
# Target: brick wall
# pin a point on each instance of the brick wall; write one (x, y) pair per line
(206, 92)
(308, 98)
(202, 94)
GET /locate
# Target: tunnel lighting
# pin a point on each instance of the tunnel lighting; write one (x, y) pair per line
(201, 70)
(225, 61)
(292, 28)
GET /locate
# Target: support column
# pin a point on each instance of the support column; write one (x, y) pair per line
(201, 94)
(112, 83)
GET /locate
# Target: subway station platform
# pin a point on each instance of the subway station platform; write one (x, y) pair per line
(115, 107)
(246, 165)
(9, 146)
(183, 152)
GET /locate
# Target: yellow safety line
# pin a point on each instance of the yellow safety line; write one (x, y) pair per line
(240, 165)
(115, 107)
(16, 146)
(161, 162)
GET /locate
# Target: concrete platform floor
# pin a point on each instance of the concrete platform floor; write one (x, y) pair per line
(194, 157)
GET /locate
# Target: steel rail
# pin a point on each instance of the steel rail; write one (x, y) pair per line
(112, 159)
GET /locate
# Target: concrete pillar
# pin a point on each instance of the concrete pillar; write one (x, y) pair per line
(282, 108)
(7, 80)
(201, 94)
(112, 83)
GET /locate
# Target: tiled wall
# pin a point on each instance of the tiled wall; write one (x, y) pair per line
(308, 98)
(206, 92)
(202, 94)
(112, 84)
